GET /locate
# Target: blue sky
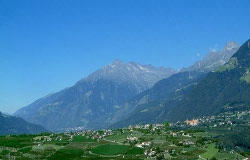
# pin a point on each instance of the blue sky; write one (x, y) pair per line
(47, 45)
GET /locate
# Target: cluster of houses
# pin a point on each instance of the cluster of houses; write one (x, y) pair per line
(43, 139)
(143, 144)
(179, 133)
(132, 139)
(150, 153)
(193, 122)
(147, 126)
(214, 121)
(93, 134)
(225, 119)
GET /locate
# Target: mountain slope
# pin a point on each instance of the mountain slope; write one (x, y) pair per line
(15, 125)
(214, 58)
(152, 105)
(144, 105)
(92, 100)
(228, 87)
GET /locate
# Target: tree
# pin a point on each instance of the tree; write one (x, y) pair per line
(150, 127)
(158, 150)
(167, 127)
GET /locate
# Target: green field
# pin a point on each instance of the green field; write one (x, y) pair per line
(134, 151)
(191, 149)
(118, 137)
(82, 139)
(67, 154)
(25, 149)
(71, 151)
(210, 151)
(110, 149)
(46, 146)
(224, 156)
(21, 141)
(121, 137)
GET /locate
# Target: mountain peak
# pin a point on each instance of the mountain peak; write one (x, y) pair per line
(117, 61)
(231, 45)
(91, 101)
(130, 71)
(214, 59)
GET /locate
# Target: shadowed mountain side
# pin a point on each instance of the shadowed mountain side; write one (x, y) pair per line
(14, 125)
(224, 88)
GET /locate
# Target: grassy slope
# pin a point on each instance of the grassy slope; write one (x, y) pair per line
(110, 149)
(210, 151)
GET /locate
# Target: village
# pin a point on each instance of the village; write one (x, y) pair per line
(190, 139)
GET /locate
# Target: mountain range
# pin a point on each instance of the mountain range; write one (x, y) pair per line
(225, 88)
(92, 100)
(152, 105)
(214, 58)
(120, 94)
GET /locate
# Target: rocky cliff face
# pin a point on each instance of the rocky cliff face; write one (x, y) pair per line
(214, 58)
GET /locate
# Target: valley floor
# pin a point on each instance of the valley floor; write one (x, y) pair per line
(211, 138)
